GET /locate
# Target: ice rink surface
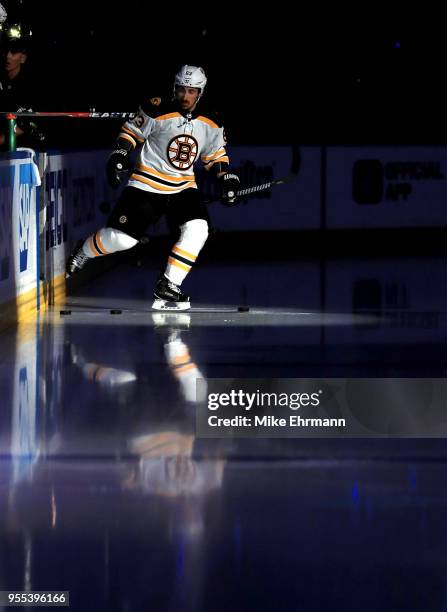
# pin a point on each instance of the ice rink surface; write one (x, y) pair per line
(106, 490)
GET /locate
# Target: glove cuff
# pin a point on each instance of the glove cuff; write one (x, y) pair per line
(228, 176)
(119, 152)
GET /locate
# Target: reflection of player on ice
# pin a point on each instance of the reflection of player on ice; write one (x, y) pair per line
(169, 327)
(172, 136)
(166, 464)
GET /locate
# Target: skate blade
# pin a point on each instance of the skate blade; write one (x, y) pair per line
(172, 306)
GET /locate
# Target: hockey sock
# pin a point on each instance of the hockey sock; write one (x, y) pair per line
(183, 368)
(106, 241)
(107, 377)
(184, 253)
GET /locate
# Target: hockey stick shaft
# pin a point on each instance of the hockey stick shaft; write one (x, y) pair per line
(254, 189)
(75, 115)
(248, 190)
(293, 173)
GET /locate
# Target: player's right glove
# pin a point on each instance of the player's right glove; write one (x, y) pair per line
(117, 166)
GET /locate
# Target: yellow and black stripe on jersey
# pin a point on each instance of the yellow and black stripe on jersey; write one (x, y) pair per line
(162, 181)
(131, 136)
(217, 158)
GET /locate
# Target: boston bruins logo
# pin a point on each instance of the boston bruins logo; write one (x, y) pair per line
(182, 151)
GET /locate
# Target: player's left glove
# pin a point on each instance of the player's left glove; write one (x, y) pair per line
(229, 184)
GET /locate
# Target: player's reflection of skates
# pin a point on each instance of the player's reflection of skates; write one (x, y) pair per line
(170, 326)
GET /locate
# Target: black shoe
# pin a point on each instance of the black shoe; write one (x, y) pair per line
(169, 296)
(77, 260)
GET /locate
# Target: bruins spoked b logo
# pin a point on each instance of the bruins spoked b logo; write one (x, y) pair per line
(182, 151)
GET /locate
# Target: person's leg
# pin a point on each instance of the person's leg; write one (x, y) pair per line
(186, 212)
(190, 215)
(133, 212)
(106, 241)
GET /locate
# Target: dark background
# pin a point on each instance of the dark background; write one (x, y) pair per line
(372, 73)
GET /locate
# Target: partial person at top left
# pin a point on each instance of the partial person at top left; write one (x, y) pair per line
(3, 13)
(18, 91)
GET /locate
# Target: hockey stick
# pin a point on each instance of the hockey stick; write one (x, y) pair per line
(292, 174)
(75, 115)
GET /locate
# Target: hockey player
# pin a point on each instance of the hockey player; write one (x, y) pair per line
(173, 136)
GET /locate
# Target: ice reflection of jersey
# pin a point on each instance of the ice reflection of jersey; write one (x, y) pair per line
(173, 476)
(171, 143)
(167, 468)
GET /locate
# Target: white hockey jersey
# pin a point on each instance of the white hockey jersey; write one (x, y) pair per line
(172, 142)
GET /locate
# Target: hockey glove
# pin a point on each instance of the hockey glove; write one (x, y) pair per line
(38, 137)
(33, 135)
(117, 166)
(230, 184)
